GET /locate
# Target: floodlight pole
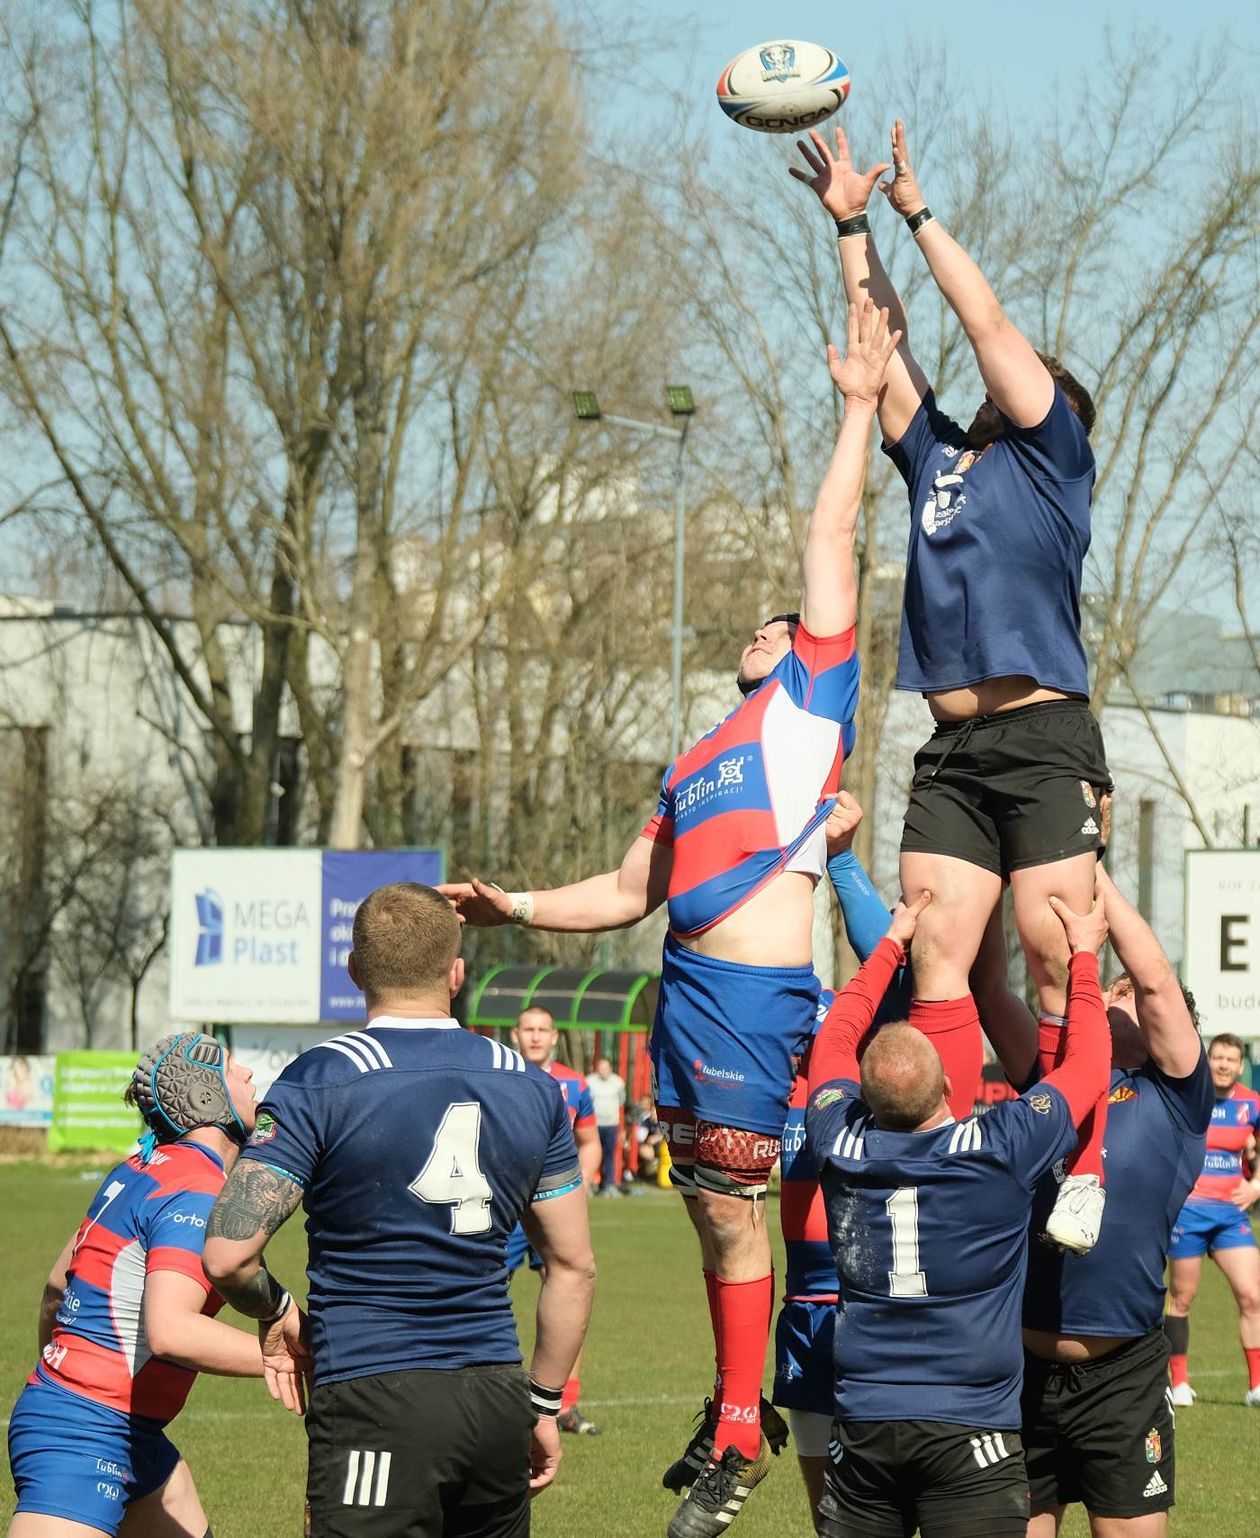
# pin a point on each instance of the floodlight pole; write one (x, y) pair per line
(679, 436)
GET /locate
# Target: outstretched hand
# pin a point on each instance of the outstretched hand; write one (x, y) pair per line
(905, 919)
(843, 191)
(903, 190)
(860, 373)
(1085, 931)
(478, 903)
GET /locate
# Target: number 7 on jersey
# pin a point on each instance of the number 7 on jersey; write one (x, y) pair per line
(452, 1176)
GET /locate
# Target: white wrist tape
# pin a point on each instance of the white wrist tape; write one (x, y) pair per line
(522, 908)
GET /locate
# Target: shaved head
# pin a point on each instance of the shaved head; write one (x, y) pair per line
(902, 1078)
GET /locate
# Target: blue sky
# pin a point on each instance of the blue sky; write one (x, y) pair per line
(1017, 49)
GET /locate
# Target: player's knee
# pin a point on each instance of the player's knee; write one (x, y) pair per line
(1249, 1302)
(732, 1162)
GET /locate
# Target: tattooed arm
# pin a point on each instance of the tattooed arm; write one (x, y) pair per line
(254, 1202)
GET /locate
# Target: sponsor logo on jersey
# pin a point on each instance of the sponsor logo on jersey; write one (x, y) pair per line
(826, 1097)
(1154, 1447)
(1041, 1104)
(264, 1129)
(1120, 1094)
(706, 1073)
(188, 1217)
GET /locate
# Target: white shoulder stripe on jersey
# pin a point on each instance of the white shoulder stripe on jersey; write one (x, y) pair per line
(372, 1049)
(337, 1045)
(505, 1057)
(966, 1137)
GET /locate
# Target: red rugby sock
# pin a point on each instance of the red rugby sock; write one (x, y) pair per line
(1253, 1366)
(1179, 1370)
(953, 1027)
(570, 1395)
(744, 1310)
(715, 1321)
(1087, 1159)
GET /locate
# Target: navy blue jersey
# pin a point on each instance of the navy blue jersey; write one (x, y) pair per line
(418, 1145)
(1019, 507)
(1155, 1138)
(929, 1231)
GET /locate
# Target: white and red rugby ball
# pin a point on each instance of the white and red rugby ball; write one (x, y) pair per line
(783, 87)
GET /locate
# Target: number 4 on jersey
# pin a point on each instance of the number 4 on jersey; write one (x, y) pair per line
(452, 1174)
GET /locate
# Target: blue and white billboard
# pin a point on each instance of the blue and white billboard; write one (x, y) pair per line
(262, 935)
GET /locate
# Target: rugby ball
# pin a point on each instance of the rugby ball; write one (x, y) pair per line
(782, 87)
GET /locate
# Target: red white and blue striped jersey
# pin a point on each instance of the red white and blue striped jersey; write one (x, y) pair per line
(1235, 1120)
(577, 1098)
(145, 1217)
(742, 803)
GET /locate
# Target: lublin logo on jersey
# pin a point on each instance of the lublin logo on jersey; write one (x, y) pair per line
(729, 781)
(1120, 1094)
(1154, 1447)
(826, 1097)
(707, 1074)
(778, 62)
(255, 931)
(1041, 1104)
(264, 1129)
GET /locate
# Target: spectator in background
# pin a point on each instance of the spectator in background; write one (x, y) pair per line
(608, 1091)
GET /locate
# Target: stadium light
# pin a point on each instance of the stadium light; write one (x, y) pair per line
(679, 400)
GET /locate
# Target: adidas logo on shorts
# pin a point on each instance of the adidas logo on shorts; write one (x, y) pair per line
(1155, 1485)
(367, 1478)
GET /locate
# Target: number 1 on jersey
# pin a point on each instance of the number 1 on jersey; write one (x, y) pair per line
(905, 1280)
(452, 1174)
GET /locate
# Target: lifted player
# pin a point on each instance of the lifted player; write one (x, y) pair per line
(1007, 787)
(737, 845)
(127, 1320)
(536, 1036)
(1215, 1222)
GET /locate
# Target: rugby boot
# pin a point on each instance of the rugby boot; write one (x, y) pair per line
(1077, 1215)
(719, 1493)
(575, 1423)
(1181, 1396)
(683, 1471)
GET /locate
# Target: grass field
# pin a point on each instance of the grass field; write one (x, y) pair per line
(647, 1365)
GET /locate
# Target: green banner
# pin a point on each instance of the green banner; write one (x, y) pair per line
(88, 1109)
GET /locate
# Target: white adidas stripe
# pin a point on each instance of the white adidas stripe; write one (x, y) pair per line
(338, 1045)
(367, 1478)
(372, 1049)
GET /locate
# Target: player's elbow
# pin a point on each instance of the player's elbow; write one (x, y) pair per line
(986, 322)
(223, 1264)
(166, 1333)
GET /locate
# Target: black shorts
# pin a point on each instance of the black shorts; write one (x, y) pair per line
(421, 1454)
(887, 1478)
(1101, 1432)
(1010, 790)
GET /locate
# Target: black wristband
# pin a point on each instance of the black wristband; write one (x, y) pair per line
(279, 1303)
(858, 225)
(915, 222)
(546, 1401)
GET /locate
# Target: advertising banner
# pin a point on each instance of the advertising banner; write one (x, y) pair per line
(261, 936)
(26, 1091)
(88, 1109)
(269, 1049)
(1222, 951)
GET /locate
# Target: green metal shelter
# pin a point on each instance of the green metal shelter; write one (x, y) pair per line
(579, 999)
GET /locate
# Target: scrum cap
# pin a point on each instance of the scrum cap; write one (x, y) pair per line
(181, 1083)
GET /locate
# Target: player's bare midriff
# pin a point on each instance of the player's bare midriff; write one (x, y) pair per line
(1071, 1348)
(774, 928)
(990, 697)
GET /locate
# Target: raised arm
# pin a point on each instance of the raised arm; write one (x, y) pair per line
(1083, 1074)
(615, 900)
(844, 192)
(866, 918)
(829, 580)
(1163, 1015)
(1018, 382)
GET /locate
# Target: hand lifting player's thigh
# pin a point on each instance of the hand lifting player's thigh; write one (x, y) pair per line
(951, 928)
(1040, 931)
(173, 1511)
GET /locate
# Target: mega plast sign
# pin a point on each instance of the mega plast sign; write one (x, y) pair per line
(1222, 954)
(262, 935)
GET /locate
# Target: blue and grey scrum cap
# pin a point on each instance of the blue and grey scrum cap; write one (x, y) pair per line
(181, 1083)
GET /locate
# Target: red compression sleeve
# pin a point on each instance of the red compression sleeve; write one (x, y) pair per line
(834, 1052)
(1082, 1076)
